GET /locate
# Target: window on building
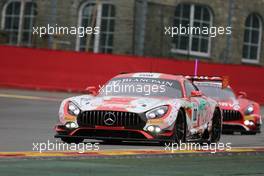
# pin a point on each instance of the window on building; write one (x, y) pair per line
(100, 15)
(252, 39)
(18, 21)
(192, 17)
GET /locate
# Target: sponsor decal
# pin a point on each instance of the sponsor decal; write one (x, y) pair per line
(165, 82)
(147, 75)
(236, 107)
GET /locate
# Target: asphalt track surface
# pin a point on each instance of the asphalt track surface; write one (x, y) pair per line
(183, 166)
(28, 117)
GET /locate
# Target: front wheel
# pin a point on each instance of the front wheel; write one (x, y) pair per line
(70, 140)
(216, 127)
(180, 128)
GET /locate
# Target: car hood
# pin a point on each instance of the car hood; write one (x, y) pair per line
(116, 103)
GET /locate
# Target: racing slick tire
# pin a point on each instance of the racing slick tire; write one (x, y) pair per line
(70, 140)
(180, 129)
(216, 130)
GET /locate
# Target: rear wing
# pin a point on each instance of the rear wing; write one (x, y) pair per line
(224, 80)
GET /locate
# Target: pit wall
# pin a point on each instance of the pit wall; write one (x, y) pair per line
(74, 71)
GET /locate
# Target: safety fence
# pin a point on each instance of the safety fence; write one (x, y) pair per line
(74, 71)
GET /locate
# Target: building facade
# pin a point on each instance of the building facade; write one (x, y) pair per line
(138, 27)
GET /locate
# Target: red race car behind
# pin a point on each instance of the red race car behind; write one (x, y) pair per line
(239, 113)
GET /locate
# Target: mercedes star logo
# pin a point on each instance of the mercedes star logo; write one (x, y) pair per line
(109, 118)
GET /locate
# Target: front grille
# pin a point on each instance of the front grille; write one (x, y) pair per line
(121, 119)
(229, 115)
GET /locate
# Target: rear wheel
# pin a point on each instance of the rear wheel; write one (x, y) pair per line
(70, 140)
(180, 128)
(216, 127)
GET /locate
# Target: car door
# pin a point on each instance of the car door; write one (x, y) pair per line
(198, 104)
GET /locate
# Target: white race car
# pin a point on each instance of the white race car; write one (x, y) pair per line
(174, 110)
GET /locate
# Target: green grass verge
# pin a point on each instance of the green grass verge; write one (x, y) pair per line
(187, 165)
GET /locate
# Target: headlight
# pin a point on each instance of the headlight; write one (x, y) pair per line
(249, 122)
(73, 109)
(71, 125)
(249, 110)
(157, 112)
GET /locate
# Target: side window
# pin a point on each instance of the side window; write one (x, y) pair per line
(189, 88)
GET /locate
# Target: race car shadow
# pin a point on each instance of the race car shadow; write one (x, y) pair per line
(130, 143)
(238, 133)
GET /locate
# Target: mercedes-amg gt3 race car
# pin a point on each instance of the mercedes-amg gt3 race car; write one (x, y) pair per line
(141, 106)
(239, 113)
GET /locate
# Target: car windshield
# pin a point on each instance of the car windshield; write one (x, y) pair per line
(216, 92)
(142, 87)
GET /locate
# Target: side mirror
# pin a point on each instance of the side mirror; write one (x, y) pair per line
(91, 90)
(196, 93)
(242, 94)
